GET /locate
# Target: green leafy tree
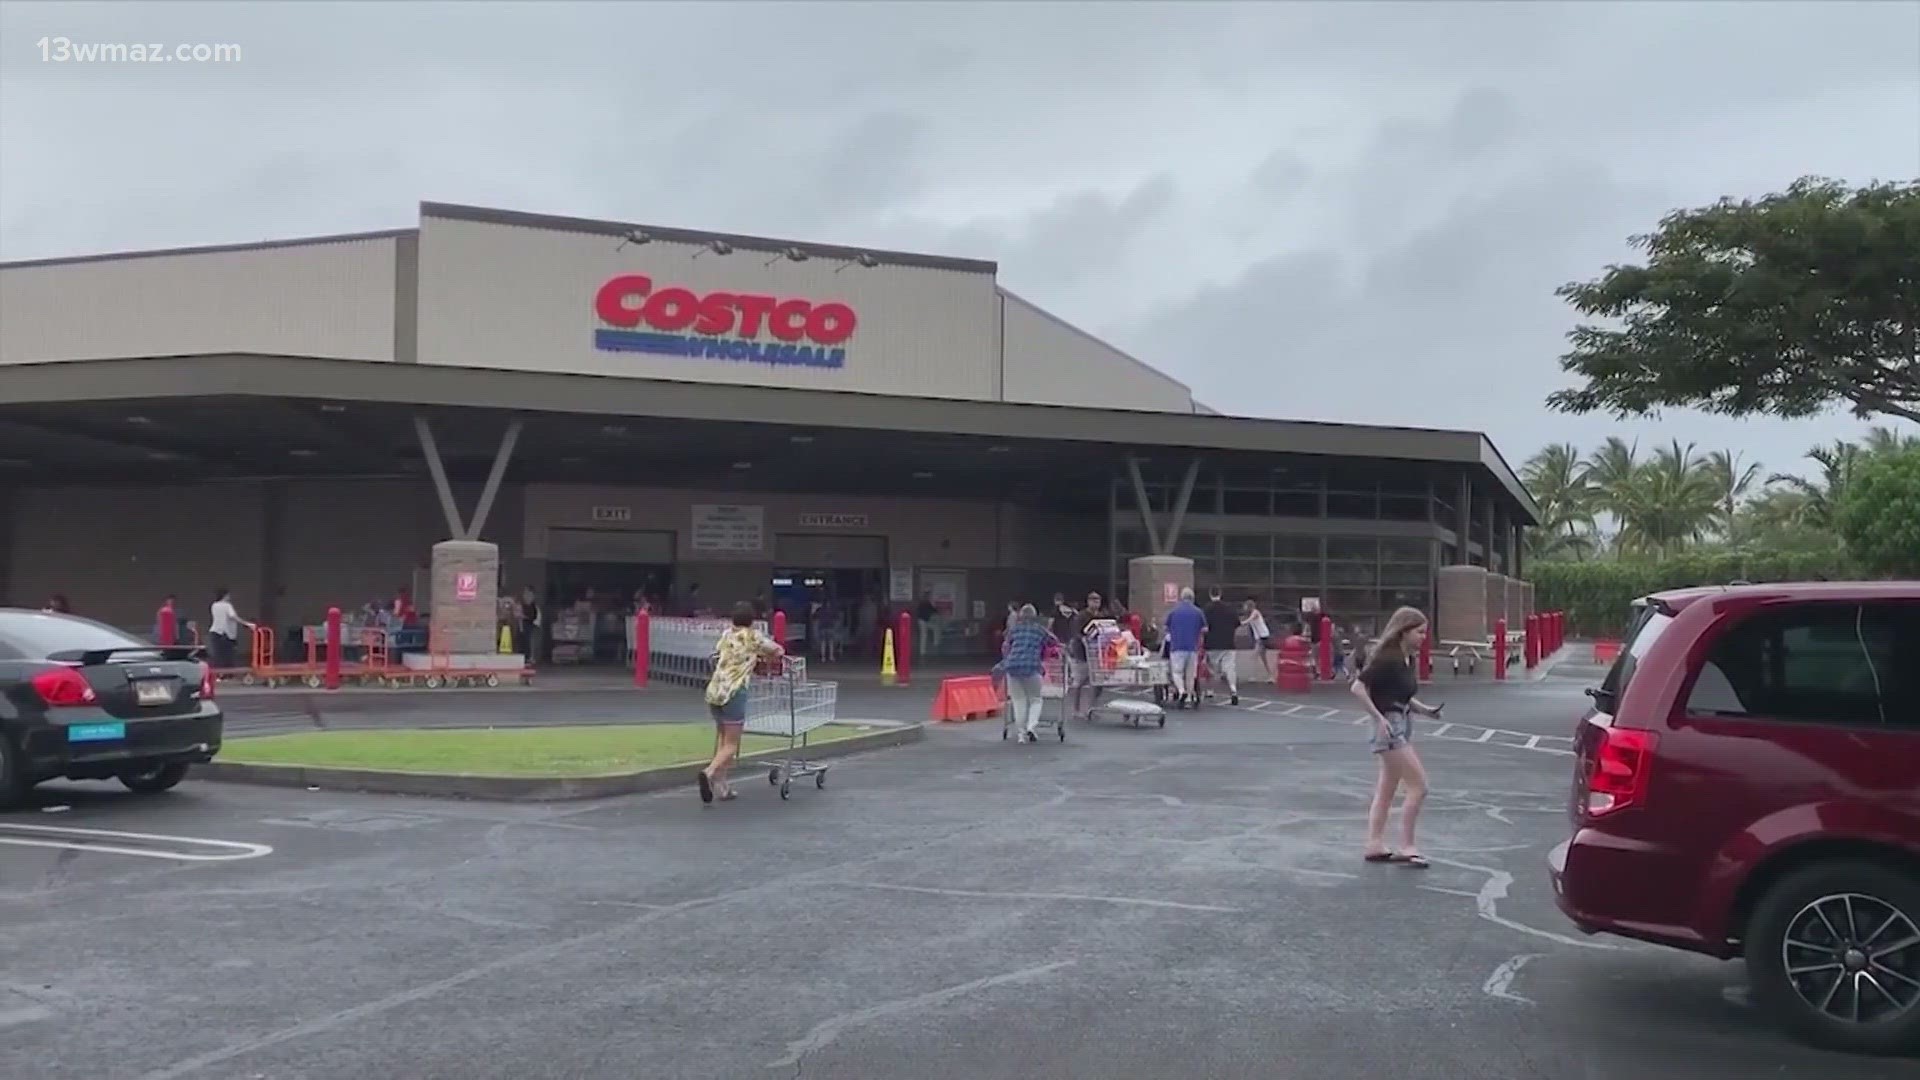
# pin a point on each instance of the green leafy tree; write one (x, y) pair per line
(1669, 502)
(1879, 512)
(1734, 479)
(1784, 305)
(1882, 440)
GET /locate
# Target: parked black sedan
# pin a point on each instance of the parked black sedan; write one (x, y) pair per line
(82, 700)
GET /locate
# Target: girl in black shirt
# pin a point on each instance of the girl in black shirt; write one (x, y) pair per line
(1389, 688)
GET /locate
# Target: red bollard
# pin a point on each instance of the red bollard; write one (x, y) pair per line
(167, 624)
(1426, 655)
(1326, 647)
(903, 649)
(1532, 653)
(778, 624)
(1500, 650)
(333, 648)
(642, 646)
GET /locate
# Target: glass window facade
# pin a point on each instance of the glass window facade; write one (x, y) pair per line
(1239, 536)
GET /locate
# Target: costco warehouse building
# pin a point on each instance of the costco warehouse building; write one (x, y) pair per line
(619, 407)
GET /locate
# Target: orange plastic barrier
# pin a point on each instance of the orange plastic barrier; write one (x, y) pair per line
(1606, 651)
(967, 697)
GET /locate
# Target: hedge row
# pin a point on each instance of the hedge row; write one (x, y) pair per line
(1597, 595)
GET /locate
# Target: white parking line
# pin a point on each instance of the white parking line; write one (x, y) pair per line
(1450, 731)
(107, 842)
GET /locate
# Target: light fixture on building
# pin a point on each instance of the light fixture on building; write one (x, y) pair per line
(141, 420)
(791, 254)
(163, 455)
(635, 237)
(718, 247)
(800, 440)
(300, 453)
(923, 475)
(862, 259)
(998, 449)
(573, 461)
(612, 430)
(743, 466)
(333, 408)
(13, 463)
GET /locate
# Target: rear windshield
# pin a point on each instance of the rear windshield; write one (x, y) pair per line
(36, 635)
(1649, 622)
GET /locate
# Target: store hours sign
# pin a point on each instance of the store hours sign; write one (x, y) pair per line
(728, 530)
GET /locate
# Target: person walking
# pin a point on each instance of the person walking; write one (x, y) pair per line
(1223, 642)
(1389, 689)
(1186, 627)
(1256, 624)
(223, 631)
(1023, 653)
(741, 649)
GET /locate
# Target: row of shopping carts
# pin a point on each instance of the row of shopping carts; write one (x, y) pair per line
(368, 659)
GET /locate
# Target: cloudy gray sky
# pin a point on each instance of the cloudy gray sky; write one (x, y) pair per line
(1342, 211)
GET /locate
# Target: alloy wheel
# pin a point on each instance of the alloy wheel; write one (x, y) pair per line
(1854, 958)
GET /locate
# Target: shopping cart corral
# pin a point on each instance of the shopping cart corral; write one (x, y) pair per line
(783, 702)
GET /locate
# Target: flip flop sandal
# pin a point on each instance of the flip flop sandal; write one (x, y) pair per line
(1415, 862)
(1381, 857)
(706, 787)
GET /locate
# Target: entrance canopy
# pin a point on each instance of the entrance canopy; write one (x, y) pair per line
(208, 416)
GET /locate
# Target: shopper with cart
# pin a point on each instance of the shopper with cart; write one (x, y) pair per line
(1023, 654)
(1186, 627)
(741, 649)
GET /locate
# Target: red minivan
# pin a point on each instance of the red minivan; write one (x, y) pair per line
(1747, 784)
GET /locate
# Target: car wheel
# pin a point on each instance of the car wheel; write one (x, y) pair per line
(1833, 954)
(13, 782)
(155, 780)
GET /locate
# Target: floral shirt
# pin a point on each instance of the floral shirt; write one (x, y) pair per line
(740, 648)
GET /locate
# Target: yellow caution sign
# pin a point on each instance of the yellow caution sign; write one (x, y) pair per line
(506, 640)
(887, 672)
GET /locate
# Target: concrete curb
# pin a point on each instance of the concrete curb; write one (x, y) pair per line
(521, 788)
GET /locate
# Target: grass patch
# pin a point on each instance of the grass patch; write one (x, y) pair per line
(537, 752)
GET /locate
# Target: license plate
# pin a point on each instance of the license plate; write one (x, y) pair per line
(153, 692)
(95, 732)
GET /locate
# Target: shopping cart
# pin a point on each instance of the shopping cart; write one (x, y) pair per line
(783, 703)
(1115, 661)
(1053, 688)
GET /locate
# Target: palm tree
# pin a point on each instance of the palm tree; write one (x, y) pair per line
(1667, 502)
(1557, 479)
(1733, 480)
(1819, 498)
(1885, 440)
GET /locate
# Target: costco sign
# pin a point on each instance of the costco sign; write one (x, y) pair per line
(753, 328)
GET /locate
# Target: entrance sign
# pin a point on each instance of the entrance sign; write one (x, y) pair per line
(729, 530)
(466, 585)
(833, 521)
(756, 328)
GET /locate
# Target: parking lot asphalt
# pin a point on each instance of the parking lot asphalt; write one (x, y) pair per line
(1185, 902)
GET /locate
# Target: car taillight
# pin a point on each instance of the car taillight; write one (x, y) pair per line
(207, 682)
(1621, 763)
(62, 687)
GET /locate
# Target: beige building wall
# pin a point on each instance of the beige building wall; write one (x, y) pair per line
(331, 299)
(509, 296)
(1051, 362)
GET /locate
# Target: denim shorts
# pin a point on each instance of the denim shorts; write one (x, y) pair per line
(734, 711)
(1399, 732)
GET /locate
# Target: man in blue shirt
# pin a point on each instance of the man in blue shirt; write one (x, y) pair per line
(1186, 625)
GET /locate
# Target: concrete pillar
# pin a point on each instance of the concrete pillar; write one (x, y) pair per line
(464, 604)
(1154, 583)
(1461, 603)
(1463, 524)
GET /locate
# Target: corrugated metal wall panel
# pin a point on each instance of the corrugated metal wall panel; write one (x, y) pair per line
(508, 296)
(332, 299)
(1049, 362)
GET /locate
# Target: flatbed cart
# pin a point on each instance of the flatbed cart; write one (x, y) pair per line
(782, 702)
(1115, 662)
(1053, 688)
